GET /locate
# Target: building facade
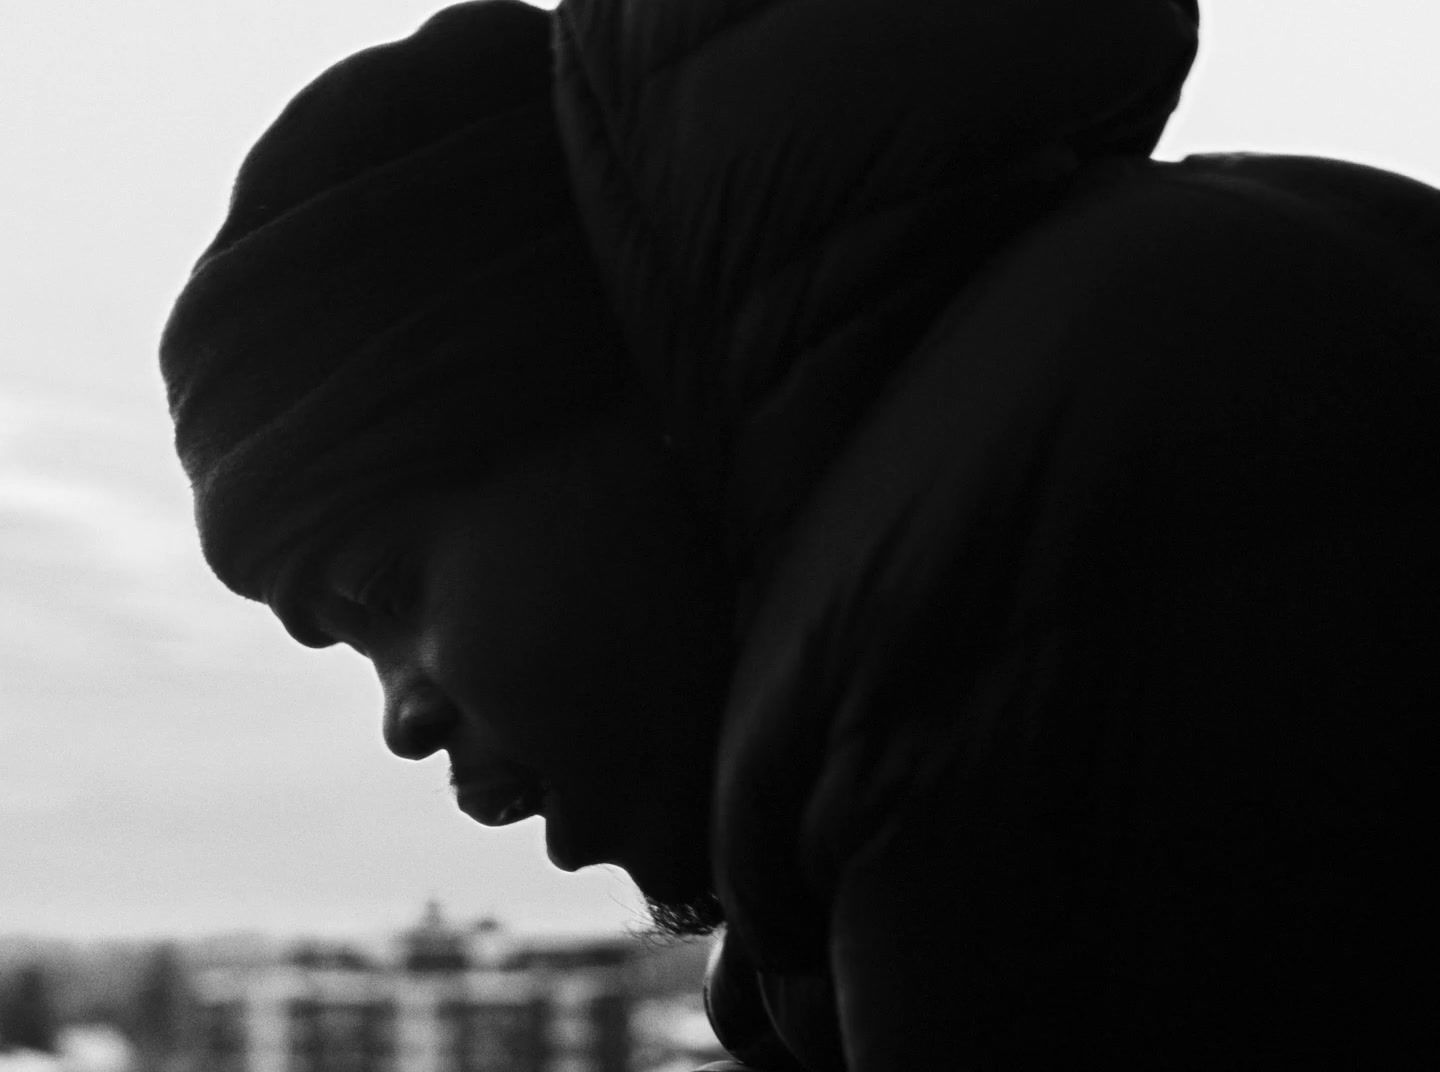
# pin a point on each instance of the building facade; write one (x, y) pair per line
(453, 1000)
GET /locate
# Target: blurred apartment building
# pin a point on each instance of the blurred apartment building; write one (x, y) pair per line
(450, 999)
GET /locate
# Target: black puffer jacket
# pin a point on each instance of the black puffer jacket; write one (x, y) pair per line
(1085, 509)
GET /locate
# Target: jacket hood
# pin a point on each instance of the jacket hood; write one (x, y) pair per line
(771, 186)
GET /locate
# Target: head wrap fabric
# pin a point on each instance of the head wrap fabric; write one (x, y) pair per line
(401, 287)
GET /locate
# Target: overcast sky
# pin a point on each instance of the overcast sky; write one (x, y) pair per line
(169, 760)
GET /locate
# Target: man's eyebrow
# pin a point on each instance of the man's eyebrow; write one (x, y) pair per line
(294, 595)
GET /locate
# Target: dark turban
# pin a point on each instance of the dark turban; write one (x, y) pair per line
(401, 287)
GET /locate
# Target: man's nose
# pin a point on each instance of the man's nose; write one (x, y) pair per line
(417, 721)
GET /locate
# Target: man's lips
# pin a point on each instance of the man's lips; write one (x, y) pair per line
(563, 855)
(494, 803)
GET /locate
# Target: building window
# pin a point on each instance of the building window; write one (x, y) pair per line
(222, 1036)
(481, 1037)
(341, 1036)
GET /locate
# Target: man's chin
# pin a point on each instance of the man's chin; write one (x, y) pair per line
(694, 917)
(679, 891)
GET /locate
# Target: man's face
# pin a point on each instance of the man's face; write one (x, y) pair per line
(560, 632)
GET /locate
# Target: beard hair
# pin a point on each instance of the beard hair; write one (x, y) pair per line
(695, 918)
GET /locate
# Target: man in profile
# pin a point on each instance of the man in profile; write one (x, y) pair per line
(814, 458)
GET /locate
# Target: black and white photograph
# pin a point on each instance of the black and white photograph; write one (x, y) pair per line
(719, 535)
